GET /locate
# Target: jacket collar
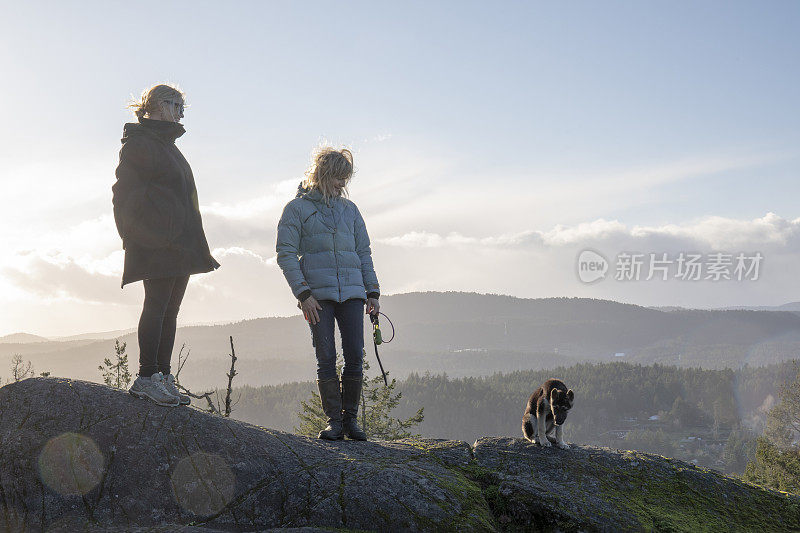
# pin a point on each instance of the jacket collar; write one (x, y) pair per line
(315, 195)
(166, 129)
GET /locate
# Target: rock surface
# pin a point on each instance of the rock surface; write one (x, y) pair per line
(78, 456)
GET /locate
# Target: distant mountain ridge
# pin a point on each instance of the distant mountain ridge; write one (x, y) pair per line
(793, 307)
(22, 338)
(464, 334)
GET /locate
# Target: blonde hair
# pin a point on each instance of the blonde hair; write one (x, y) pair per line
(329, 164)
(152, 97)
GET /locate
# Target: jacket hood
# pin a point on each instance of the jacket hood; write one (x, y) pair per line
(302, 190)
(310, 193)
(164, 129)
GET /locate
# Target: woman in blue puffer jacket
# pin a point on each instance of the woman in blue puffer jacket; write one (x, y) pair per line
(324, 252)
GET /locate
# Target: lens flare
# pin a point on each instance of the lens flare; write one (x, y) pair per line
(203, 483)
(71, 464)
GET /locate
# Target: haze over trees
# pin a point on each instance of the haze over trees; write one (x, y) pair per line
(711, 417)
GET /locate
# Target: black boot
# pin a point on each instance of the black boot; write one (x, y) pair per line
(351, 396)
(332, 406)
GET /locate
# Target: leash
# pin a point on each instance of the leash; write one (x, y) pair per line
(377, 338)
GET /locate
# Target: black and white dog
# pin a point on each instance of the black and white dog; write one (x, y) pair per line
(547, 408)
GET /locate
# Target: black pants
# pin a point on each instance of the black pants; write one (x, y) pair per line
(162, 300)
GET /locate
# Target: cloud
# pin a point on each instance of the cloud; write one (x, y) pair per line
(425, 239)
(542, 262)
(403, 193)
(429, 197)
(770, 230)
(255, 207)
(530, 263)
(650, 176)
(434, 226)
(222, 253)
(247, 285)
(251, 223)
(712, 232)
(58, 277)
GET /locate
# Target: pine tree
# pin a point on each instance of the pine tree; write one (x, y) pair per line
(774, 468)
(312, 418)
(116, 373)
(783, 421)
(777, 461)
(377, 402)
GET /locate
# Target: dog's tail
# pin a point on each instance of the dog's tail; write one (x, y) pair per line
(527, 427)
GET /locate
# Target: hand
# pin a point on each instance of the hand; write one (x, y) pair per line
(309, 306)
(373, 307)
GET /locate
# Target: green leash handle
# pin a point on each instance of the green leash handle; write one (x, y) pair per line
(376, 340)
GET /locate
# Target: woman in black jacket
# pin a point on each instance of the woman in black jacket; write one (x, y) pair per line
(158, 217)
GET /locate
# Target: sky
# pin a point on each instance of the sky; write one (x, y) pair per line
(493, 144)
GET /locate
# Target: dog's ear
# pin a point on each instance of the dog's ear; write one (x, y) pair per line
(570, 395)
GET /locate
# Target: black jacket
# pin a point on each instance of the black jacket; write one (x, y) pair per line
(155, 205)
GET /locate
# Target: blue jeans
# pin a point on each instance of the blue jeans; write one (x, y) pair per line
(350, 317)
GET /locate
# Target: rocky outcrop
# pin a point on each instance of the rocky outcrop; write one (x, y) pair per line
(589, 488)
(80, 456)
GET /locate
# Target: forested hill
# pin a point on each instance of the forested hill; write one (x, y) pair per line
(586, 328)
(465, 334)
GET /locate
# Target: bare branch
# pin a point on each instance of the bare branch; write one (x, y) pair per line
(19, 369)
(205, 395)
(236, 402)
(182, 360)
(211, 408)
(230, 375)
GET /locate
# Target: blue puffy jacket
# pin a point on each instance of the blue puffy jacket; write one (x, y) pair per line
(325, 249)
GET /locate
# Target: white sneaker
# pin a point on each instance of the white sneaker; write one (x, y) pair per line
(169, 383)
(155, 389)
